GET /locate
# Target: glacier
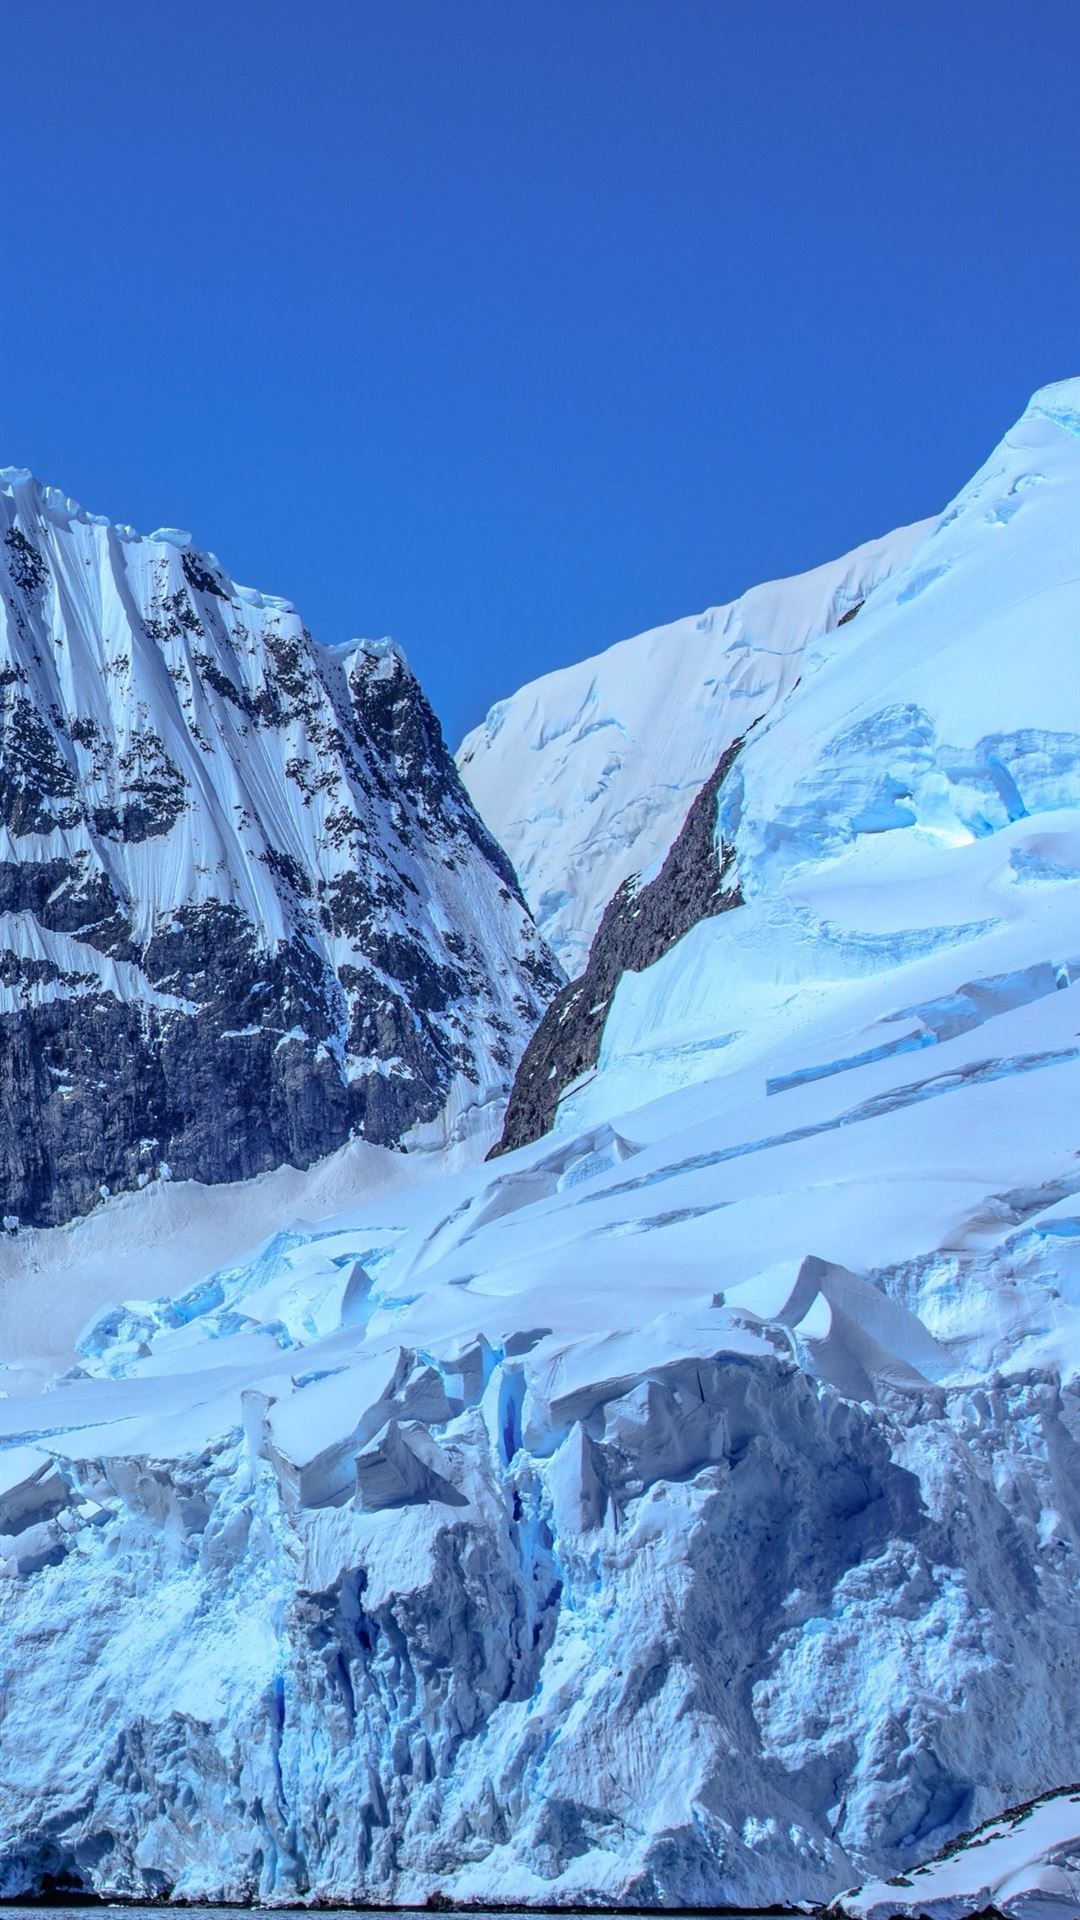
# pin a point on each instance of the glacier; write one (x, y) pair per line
(682, 1509)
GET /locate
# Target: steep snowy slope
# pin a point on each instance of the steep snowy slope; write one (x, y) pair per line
(678, 1509)
(904, 803)
(245, 905)
(585, 775)
(892, 725)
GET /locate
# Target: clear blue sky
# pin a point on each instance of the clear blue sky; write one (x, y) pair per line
(515, 326)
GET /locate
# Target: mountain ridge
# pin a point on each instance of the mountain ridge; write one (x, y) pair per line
(585, 774)
(238, 866)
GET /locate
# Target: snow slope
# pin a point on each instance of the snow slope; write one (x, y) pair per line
(909, 809)
(237, 866)
(676, 1510)
(1026, 1864)
(585, 775)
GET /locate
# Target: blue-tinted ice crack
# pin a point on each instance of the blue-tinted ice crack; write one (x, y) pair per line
(979, 1073)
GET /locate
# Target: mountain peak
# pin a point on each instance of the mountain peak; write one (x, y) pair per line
(197, 803)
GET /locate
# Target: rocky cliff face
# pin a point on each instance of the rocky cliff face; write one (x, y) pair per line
(640, 924)
(246, 908)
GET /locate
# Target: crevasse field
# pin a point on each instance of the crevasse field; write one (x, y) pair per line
(683, 1509)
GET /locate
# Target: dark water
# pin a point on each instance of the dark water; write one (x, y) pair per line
(124, 1911)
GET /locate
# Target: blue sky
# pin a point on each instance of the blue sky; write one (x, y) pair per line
(515, 326)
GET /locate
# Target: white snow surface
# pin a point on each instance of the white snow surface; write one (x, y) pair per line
(586, 775)
(683, 1509)
(1027, 1864)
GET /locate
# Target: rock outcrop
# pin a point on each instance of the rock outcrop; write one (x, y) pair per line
(640, 924)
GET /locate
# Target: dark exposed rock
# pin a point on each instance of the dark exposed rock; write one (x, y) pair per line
(399, 720)
(152, 792)
(199, 575)
(228, 935)
(238, 1075)
(28, 568)
(639, 925)
(39, 782)
(37, 786)
(68, 896)
(163, 1097)
(286, 868)
(221, 683)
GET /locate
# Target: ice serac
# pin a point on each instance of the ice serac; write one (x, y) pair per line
(674, 1511)
(586, 775)
(246, 907)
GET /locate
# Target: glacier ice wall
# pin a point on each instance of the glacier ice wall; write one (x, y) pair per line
(717, 1634)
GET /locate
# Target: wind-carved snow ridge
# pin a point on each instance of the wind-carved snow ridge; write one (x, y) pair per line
(585, 775)
(245, 859)
(674, 1511)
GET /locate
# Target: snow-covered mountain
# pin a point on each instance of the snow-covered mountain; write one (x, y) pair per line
(585, 775)
(245, 905)
(949, 705)
(682, 1509)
